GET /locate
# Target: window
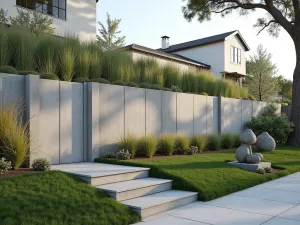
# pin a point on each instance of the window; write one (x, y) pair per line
(56, 8)
(235, 55)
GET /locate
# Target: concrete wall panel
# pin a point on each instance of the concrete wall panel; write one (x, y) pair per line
(216, 117)
(247, 112)
(153, 112)
(49, 121)
(169, 115)
(231, 115)
(200, 114)
(135, 111)
(185, 114)
(111, 103)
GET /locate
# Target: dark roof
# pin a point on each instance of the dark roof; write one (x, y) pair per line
(166, 55)
(205, 41)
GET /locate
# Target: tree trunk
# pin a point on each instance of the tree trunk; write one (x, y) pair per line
(295, 137)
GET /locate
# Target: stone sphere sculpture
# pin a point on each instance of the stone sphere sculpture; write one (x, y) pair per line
(253, 159)
(242, 153)
(260, 155)
(248, 137)
(265, 142)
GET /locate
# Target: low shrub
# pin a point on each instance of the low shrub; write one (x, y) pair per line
(119, 82)
(270, 111)
(200, 141)
(182, 143)
(166, 144)
(102, 81)
(15, 139)
(132, 84)
(8, 70)
(4, 165)
(130, 143)
(27, 72)
(145, 85)
(166, 89)
(156, 87)
(237, 142)
(81, 79)
(279, 127)
(123, 155)
(175, 88)
(49, 76)
(41, 164)
(227, 141)
(193, 150)
(110, 155)
(213, 142)
(204, 93)
(147, 146)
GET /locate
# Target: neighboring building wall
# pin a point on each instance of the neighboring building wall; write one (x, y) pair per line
(231, 67)
(212, 54)
(162, 62)
(81, 18)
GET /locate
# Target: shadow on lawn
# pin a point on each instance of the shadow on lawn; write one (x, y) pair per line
(197, 165)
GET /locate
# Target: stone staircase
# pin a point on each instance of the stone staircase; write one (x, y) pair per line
(132, 186)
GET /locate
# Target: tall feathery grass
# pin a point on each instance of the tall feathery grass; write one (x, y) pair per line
(147, 146)
(166, 144)
(21, 45)
(83, 62)
(172, 76)
(148, 70)
(96, 60)
(129, 143)
(14, 136)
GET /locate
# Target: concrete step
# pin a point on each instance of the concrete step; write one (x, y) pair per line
(136, 188)
(99, 173)
(156, 203)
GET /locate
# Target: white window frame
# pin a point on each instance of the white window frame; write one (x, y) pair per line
(235, 55)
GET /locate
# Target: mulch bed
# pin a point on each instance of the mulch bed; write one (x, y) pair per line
(17, 172)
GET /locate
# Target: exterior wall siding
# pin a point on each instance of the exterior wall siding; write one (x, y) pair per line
(81, 18)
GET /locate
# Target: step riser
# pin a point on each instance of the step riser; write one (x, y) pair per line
(165, 207)
(97, 181)
(140, 192)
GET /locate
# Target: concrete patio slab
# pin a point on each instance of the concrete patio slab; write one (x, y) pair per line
(221, 216)
(270, 194)
(293, 214)
(252, 205)
(281, 221)
(96, 169)
(172, 221)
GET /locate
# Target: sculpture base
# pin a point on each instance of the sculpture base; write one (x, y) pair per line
(251, 167)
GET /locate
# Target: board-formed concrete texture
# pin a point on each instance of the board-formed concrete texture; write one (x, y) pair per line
(153, 112)
(111, 117)
(135, 111)
(185, 114)
(49, 140)
(251, 167)
(169, 115)
(201, 112)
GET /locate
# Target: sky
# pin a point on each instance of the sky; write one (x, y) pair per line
(145, 21)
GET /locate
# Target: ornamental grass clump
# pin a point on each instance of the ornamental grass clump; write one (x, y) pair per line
(15, 139)
(199, 141)
(166, 144)
(147, 146)
(148, 70)
(172, 76)
(83, 62)
(96, 60)
(227, 141)
(213, 142)
(130, 143)
(182, 144)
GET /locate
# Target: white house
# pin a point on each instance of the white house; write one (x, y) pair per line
(69, 16)
(223, 54)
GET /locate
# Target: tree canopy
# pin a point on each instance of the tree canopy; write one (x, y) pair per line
(285, 89)
(108, 38)
(262, 85)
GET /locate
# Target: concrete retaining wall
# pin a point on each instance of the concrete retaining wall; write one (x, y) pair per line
(74, 122)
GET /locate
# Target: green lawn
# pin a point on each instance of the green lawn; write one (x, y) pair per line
(55, 198)
(210, 176)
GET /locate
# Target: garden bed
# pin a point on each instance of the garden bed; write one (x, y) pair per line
(209, 174)
(17, 172)
(58, 199)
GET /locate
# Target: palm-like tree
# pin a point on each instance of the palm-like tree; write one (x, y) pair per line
(108, 38)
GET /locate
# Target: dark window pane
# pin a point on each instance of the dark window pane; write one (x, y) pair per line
(62, 4)
(55, 12)
(62, 14)
(55, 3)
